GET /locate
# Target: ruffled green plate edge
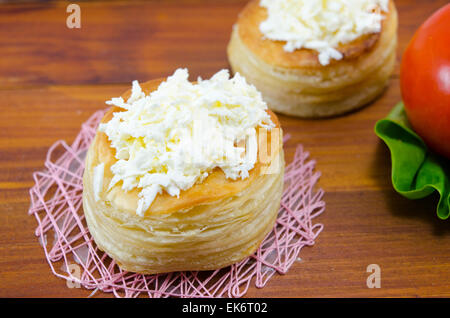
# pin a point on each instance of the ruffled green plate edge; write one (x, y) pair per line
(416, 172)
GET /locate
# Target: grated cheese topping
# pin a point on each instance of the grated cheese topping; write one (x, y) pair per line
(174, 137)
(321, 25)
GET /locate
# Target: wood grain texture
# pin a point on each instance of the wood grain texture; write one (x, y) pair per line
(53, 78)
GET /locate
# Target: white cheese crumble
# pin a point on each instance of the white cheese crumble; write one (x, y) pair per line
(321, 25)
(174, 137)
(97, 181)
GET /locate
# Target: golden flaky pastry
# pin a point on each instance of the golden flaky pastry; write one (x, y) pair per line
(295, 83)
(211, 225)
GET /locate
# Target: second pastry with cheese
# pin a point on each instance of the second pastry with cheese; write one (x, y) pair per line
(184, 176)
(315, 58)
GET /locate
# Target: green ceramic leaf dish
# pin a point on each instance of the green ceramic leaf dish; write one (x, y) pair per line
(416, 172)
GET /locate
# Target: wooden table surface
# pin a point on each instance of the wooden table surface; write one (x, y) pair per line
(53, 78)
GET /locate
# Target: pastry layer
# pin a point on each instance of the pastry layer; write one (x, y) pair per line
(211, 225)
(297, 84)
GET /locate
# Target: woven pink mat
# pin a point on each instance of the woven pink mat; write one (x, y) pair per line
(56, 202)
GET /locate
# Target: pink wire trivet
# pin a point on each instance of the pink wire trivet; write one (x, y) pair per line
(56, 202)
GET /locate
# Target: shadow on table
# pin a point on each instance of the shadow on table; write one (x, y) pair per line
(421, 209)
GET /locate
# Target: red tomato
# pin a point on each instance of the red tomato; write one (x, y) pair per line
(425, 81)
